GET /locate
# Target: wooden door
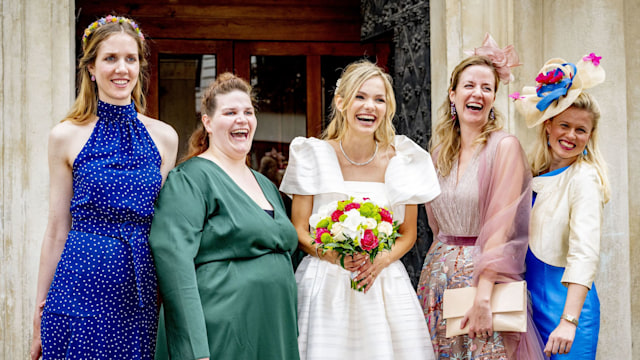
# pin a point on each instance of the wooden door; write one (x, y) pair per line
(293, 81)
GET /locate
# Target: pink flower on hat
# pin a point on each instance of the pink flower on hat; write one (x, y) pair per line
(551, 77)
(593, 58)
(516, 96)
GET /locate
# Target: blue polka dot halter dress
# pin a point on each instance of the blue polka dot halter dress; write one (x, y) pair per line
(102, 303)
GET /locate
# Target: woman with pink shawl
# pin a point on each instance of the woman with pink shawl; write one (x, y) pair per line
(481, 219)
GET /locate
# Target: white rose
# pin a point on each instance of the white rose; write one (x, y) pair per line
(370, 223)
(352, 222)
(314, 219)
(327, 209)
(337, 232)
(385, 228)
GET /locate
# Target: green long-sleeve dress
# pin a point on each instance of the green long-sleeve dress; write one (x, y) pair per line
(224, 268)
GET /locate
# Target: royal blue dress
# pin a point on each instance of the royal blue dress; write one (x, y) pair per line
(548, 296)
(102, 303)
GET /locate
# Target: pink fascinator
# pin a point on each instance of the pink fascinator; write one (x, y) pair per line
(503, 59)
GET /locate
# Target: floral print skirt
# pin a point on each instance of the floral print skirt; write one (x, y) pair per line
(451, 267)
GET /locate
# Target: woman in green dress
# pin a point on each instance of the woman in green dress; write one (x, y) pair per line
(221, 242)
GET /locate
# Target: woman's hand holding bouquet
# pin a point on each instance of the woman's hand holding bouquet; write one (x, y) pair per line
(354, 226)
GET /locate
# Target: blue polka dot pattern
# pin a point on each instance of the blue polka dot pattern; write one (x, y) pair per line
(102, 303)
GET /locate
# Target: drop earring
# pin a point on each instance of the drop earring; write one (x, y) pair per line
(492, 115)
(454, 114)
(585, 152)
(93, 77)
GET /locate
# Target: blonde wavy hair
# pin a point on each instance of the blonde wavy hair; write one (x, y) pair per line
(540, 158)
(86, 103)
(352, 78)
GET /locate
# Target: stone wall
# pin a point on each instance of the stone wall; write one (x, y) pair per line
(36, 62)
(631, 45)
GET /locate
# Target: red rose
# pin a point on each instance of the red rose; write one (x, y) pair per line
(319, 233)
(351, 206)
(335, 216)
(385, 215)
(369, 241)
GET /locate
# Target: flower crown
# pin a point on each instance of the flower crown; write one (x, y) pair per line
(503, 59)
(106, 20)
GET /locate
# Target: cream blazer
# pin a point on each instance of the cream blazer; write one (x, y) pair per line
(566, 219)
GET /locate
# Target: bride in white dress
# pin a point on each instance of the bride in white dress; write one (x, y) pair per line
(360, 156)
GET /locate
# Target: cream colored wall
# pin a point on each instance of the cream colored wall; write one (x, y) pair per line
(568, 29)
(632, 87)
(36, 62)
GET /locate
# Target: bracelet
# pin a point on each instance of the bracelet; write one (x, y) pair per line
(317, 254)
(570, 318)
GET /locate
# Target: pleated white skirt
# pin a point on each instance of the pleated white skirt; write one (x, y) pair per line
(337, 322)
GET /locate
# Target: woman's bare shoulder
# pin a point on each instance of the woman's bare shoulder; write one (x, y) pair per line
(159, 130)
(68, 130)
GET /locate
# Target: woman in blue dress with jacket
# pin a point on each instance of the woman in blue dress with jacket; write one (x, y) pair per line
(96, 293)
(570, 189)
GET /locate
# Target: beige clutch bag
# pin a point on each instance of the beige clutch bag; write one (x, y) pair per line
(508, 305)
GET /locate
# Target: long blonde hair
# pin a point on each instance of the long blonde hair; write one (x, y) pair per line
(446, 137)
(86, 103)
(540, 158)
(352, 78)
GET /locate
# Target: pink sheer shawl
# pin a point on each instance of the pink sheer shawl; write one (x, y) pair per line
(505, 205)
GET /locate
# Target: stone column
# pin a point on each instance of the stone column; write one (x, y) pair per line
(632, 87)
(569, 29)
(37, 62)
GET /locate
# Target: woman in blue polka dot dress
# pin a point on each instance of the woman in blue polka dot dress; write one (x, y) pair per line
(96, 295)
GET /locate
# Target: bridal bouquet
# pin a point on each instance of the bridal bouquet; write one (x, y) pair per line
(354, 226)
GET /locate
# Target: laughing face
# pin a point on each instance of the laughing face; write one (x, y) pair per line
(368, 108)
(116, 68)
(569, 133)
(232, 125)
(474, 95)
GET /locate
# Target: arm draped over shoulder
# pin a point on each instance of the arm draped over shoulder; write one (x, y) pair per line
(505, 206)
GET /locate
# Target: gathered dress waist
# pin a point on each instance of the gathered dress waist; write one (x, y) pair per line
(457, 240)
